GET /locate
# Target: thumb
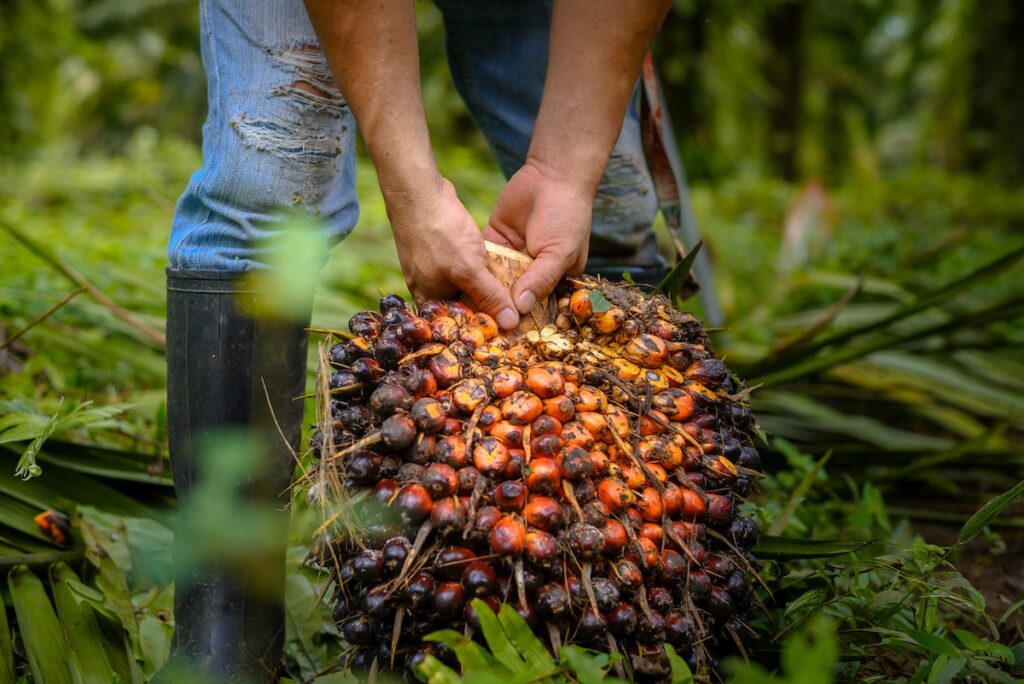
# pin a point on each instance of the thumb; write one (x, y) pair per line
(539, 280)
(490, 296)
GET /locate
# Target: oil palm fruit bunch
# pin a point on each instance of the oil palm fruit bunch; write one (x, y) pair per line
(588, 472)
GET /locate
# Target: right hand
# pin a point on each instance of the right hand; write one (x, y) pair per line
(441, 251)
(547, 216)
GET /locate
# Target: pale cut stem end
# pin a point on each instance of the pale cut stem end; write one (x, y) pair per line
(508, 265)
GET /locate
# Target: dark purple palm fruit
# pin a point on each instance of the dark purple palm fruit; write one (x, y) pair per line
(622, 619)
(392, 301)
(394, 552)
(419, 591)
(389, 398)
(365, 324)
(553, 602)
(450, 600)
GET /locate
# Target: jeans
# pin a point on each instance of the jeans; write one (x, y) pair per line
(280, 135)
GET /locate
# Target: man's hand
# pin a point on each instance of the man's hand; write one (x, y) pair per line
(442, 251)
(549, 218)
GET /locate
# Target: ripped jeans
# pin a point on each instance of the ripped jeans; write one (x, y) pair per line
(280, 135)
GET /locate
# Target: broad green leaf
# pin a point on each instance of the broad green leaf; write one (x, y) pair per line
(676, 278)
(87, 657)
(976, 644)
(156, 628)
(41, 634)
(589, 667)
(100, 550)
(497, 641)
(945, 669)
(680, 670)
(436, 672)
(790, 547)
(471, 655)
(525, 641)
(932, 642)
(977, 522)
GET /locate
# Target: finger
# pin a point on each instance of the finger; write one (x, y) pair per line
(493, 235)
(489, 295)
(504, 234)
(540, 279)
(510, 212)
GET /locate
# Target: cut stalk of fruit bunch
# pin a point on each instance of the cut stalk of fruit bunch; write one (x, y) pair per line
(587, 468)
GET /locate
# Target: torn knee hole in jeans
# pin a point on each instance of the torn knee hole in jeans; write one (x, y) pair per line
(314, 86)
(299, 142)
(307, 133)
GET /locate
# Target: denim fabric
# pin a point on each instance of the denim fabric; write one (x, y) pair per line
(279, 134)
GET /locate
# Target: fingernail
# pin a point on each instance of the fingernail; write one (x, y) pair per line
(526, 302)
(507, 319)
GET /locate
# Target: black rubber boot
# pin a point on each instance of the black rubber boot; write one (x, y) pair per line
(233, 427)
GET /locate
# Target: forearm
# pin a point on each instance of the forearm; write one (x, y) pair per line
(372, 50)
(597, 47)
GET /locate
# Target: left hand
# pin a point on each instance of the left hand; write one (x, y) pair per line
(441, 251)
(548, 217)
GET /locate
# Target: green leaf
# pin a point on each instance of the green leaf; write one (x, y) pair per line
(933, 643)
(41, 634)
(922, 303)
(156, 630)
(791, 547)
(680, 670)
(598, 302)
(525, 641)
(1011, 610)
(436, 672)
(87, 657)
(977, 522)
(497, 641)
(471, 655)
(945, 669)
(976, 644)
(676, 278)
(590, 667)
(1007, 310)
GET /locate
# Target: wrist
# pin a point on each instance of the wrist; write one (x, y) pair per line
(575, 179)
(579, 169)
(412, 188)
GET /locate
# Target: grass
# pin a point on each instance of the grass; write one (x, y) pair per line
(923, 422)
